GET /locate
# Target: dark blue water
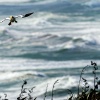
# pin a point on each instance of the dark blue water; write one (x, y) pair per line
(56, 42)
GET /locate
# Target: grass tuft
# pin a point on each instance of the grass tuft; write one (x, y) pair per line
(83, 93)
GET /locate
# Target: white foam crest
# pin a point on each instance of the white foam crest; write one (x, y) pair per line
(77, 1)
(15, 75)
(69, 29)
(3, 28)
(89, 39)
(44, 1)
(13, 1)
(9, 75)
(92, 2)
(21, 64)
(69, 45)
(81, 41)
(40, 19)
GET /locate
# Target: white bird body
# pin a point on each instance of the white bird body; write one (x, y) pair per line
(13, 18)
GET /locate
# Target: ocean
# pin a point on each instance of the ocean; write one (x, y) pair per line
(55, 43)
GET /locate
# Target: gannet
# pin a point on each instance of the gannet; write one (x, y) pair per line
(13, 18)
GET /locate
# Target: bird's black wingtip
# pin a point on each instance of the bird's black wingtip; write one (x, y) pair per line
(28, 14)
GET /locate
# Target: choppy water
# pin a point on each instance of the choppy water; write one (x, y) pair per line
(56, 42)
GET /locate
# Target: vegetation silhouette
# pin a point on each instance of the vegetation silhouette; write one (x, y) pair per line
(84, 92)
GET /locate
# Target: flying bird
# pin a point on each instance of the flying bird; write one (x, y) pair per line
(13, 18)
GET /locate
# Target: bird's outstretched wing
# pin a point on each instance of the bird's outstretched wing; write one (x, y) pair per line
(26, 15)
(4, 20)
